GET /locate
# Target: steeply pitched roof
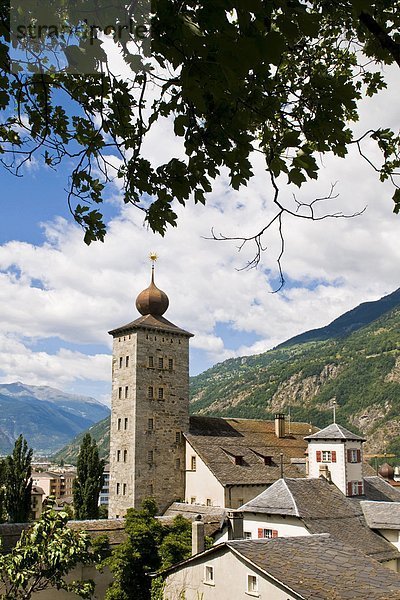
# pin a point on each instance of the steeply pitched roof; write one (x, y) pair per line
(218, 441)
(381, 515)
(149, 322)
(323, 509)
(320, 567)
(335, 432)
(376, 488)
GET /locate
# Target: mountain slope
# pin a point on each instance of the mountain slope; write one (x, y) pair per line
(100, 432)
(360, 370)
(48, 418)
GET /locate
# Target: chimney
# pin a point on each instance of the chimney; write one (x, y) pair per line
(236, 522)
(325, 473)
(197, 535)
(280, 425)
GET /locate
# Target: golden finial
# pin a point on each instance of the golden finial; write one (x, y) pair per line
(153, 257)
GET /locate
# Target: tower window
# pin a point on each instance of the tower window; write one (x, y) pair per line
(161, 393)
(119, 424)
(177, 463)
(118, 485)
(193, 463)
(125, 455)
(150, 424)
(150, 456)
(124, 489)
(178, 437)
(160, 363)
(170, 364)
(151, 362)
(126, 423)
(118, 455)
(150, 489)
(120, 393)
(126, 391)
(150, 392)
(120, 362)
(127, 361)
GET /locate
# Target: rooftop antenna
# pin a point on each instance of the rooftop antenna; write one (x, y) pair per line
(334, 405)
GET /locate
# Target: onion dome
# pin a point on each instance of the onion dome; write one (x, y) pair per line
(152, 301)
(386, 471)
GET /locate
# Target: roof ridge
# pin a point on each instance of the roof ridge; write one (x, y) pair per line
(292, 497)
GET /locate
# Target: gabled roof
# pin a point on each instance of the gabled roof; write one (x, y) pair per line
(376, 488)
(381, 515)
(149, 322)
(323, 509)
(216, 440)
(335, 432)
(315, 567)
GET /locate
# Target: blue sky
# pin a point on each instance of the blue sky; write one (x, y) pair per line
(58, 297)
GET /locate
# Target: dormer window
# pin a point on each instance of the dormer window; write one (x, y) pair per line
(237, 459)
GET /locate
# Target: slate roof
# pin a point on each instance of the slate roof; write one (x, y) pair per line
(376, 488)
(213, 517)
(149, 322)
(323, 509)
(381, 515)
(218, 440)
(320, 567)
(335, 432)
(113, 528)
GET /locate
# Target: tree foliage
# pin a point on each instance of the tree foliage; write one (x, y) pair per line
(149, 546)
(89, 480)
(276, 77)
(42, 558)
(18, 482)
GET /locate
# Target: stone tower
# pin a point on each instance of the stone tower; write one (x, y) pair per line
(149, 407)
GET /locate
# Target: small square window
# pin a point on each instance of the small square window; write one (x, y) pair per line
(160, 363)
(193, 500)
(252, 583)
(247, 535)
(127, 361)
(120, 362)
(119, 424)
(126, 423)
(208, 502)
(209, 574)
(170, 364)
(126, 391)
(150, 424)
(161, 393)
(150, 392)
(193, 463)
(326, 456)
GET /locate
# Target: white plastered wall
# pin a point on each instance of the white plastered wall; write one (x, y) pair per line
(285, 526)
(201, 484)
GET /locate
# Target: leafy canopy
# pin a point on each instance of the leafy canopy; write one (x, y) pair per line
(280, 77)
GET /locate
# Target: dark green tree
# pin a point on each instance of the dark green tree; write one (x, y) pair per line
(89, 480)
(18, 482)
(282, 78)
(149, 546)
(43, 557)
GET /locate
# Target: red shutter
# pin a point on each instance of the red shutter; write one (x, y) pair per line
(359, 456)
(333, 455)
(260, 532)
(360, 488)
(274, 533)
(349, 488)
(348, 455)
(319, 456)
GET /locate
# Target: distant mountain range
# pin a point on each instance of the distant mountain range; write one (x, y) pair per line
(48, 418)
(355, 360)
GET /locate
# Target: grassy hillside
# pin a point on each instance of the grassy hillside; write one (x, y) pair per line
(100, 432)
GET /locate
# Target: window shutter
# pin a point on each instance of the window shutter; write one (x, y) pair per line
(260, 532)
(333, 455)
(319, 456)
(360, 488)
(348, 455)
(359, 456)
(349, 488)
(274, 533)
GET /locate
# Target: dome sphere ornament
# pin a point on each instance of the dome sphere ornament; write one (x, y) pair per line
(152, 301)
